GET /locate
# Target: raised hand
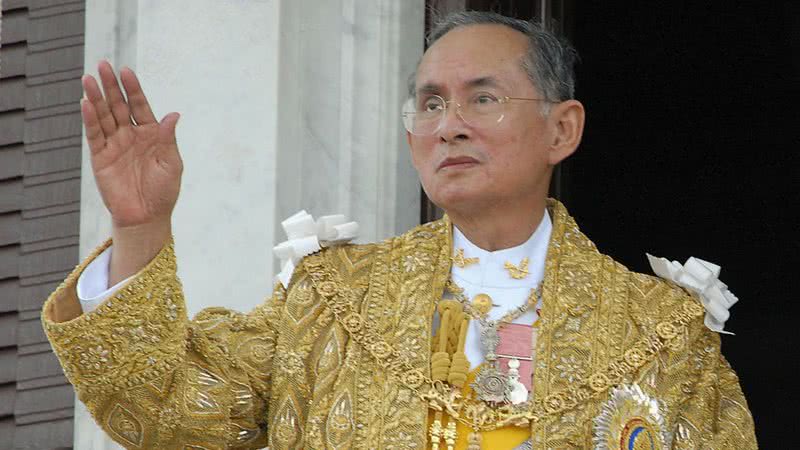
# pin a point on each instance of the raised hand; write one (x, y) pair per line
(134, 157)
(136, 165)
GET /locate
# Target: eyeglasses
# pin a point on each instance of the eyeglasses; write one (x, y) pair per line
(424, 116)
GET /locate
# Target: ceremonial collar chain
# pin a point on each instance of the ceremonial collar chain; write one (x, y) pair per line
(481, 315)
(440, 396)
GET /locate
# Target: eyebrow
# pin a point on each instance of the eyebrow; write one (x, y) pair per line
(433, 88)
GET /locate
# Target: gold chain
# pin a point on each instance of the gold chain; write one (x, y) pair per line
(510, 316)
(441, 397)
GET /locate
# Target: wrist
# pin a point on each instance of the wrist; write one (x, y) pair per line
(135, 246)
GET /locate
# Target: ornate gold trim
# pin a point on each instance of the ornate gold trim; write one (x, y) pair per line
(517, 272)
(340, 299)
(460, 261)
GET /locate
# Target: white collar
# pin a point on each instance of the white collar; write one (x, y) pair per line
(490, 271)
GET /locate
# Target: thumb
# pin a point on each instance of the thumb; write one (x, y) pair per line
(166, 132)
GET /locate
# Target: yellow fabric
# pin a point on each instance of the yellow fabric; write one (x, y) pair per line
(503, 439)
(506, 438)
(295, 373)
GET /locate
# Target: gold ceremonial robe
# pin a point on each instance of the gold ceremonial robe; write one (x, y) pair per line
(340, 359)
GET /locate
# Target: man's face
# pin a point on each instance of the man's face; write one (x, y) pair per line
(467, 167)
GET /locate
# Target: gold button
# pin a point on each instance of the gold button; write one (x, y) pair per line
(482, 304)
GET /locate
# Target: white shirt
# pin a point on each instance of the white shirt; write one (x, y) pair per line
(92, 287)
(489, 276)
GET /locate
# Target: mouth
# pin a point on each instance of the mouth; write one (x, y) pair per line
(458, 162)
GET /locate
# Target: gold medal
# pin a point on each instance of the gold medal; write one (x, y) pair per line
(482, 304)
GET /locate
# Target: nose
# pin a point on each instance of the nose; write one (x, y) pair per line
(453, 127)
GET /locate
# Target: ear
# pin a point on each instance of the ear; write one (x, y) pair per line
(410, 140)
(566, 121)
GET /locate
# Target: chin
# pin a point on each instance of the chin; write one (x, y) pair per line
(450, 199)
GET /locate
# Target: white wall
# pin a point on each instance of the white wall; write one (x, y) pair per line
(285, 104)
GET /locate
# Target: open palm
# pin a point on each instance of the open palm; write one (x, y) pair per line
(135, 158)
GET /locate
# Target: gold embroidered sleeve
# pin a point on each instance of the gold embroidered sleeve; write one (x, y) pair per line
(715, 414)
(153, 379)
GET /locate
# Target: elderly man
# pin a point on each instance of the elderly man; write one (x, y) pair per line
(500, 326)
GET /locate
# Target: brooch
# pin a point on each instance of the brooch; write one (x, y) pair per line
(517, 272)
(631, 419)
(460, 261)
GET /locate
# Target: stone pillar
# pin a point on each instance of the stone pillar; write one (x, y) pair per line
(341, 143)
(111, 34)
(285, 105)
(216, 64)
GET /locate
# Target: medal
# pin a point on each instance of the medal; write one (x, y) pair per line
(492, 385)
(516, 343)
(517, 393)
(482, 304)
(507, 374)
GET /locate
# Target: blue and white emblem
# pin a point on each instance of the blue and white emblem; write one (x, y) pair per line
(631, 420)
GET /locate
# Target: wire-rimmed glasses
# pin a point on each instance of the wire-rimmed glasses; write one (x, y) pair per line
(423, 116)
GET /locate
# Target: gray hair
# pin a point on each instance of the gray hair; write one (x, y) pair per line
(549, 61)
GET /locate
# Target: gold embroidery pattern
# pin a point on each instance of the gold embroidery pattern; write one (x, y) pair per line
(339, 427)
(517, 272)
(125, 426)
(330, 358)
(101, 361)
(398, 304)
(600, 321)
(203, 391)
(460, 261)
(287, 429)
(339, 299)
(152, 378)
(301, 303)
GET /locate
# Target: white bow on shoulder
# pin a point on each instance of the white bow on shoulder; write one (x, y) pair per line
(701, 277)
(306, 236)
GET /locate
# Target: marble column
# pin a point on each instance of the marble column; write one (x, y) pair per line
(215, 63)
(110, 34)
(285, 105)
(341, 144)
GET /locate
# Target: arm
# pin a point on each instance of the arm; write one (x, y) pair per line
(153, 379)
(715, 416)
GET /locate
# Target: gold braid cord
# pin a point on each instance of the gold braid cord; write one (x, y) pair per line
(342, 358)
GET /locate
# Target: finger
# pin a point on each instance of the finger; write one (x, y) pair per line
(139, 105)
(166, 136)
(119, 108)
(94, 133)
(95, 96)
(166, 132)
